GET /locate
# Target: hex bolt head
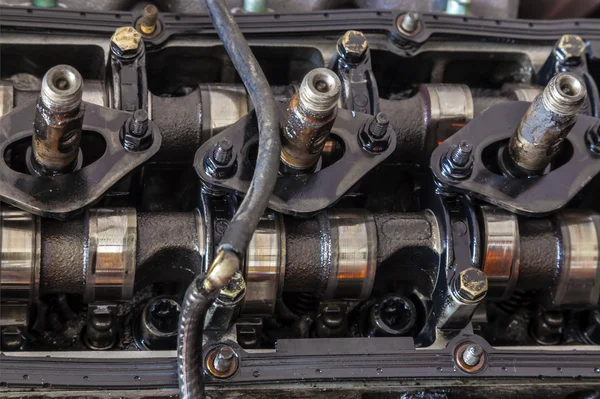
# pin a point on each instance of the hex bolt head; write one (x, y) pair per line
(149, 18)
(570, 49)
(471, 284)
(353, 45)
(125, 41)
(410, 22)
(472, 355)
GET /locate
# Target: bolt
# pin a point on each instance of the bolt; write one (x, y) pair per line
(458, 162)
(164, 315)
(125, 41)
(223, 152)
(379, 125)
(461, 153)
(471, 284)
(472, 355)
(149, 18)
(224, 359)
(139, 123)
(592, 139)
(570, 49)
(410, 22)
(353, 45)
(136, 133)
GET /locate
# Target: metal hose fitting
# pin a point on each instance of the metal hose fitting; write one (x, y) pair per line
(58, 122)
(309, 119)
(202, 292)
(547, 122)
(198, 298)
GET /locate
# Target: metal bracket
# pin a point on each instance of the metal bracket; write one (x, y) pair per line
(64, 195)
(526, 196)
(359, 87)
(298, 194)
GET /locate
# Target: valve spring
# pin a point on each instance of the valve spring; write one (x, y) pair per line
(519, 299)
(303, 303)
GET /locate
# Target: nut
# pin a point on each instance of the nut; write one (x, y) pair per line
(454, 170)
(592, 139)
(570, 49)
(353, 45)
(471, 284)
(133, 142)
(235, 289)
(217, 169)
(369, 140)
(125, 41)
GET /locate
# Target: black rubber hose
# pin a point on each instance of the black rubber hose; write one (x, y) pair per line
(203, 291)
(242, 226)
(196, 303)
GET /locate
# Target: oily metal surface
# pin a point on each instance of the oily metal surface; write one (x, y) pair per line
(539, 195)
(61, 196)
(298, 194)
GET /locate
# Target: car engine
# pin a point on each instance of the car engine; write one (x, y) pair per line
(366, 202)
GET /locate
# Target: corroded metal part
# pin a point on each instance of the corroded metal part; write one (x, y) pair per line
(309, 119)
(547, 122)
(58, 122)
